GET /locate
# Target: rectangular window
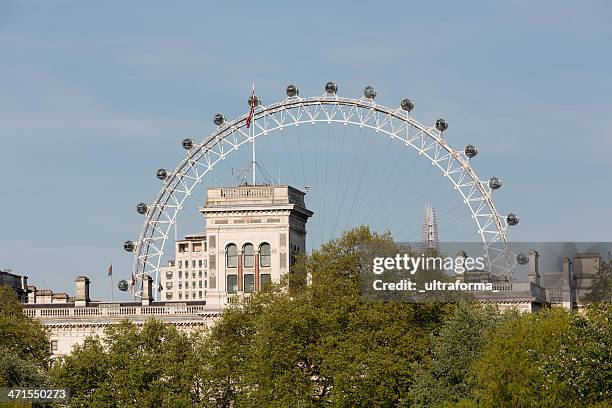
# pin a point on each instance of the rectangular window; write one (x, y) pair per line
(200, 273)
(249, 283)
(232, 283)
(168, 295)
(193, 264)
(180, 274)
(180, 285)
(168, 285)
(200, 263)
(53, 346)
(180, 263)
(186, 285)
(200, 294)
(186, 295)
(193, 295)
(180, 295)
(193, 274)
(264, 279)
(168, 275)
(248, 255)
(200, 284)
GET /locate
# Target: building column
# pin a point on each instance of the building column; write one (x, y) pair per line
(240, 271)
(256, 288)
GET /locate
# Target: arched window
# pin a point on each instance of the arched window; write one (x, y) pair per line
(248, 252)
(265, 255)
(231, 256)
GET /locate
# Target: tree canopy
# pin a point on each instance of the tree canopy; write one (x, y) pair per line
(314, 340)
(24, 344)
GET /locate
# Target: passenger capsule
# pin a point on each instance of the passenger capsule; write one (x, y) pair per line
(218, 119)
(141, 208)
(407, 105)
(122, 285)
(254, 101)
(129, 246)
(369, 92)
(522, 259)
(187, 144)
(470, 151)
(162, 174)
(512, 219)
(441, 125)
(331, 88)
(494, 183)
(292, 91)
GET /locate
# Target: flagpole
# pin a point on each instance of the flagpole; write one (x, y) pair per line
(110, 274)
(253, 132)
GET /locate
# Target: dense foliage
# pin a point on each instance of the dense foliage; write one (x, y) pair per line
(24, 344)
(322, 345)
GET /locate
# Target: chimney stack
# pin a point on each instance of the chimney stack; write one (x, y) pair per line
(81, 297)
(147, 290)
(534, 268)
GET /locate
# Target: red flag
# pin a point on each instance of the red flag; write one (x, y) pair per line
(248, 121)
(110, 270)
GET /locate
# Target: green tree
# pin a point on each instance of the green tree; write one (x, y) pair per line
(582, 367)
(508, 374)
(24, 344)
(601, 284)
(442, 379)
(152, 366)
(320, 345)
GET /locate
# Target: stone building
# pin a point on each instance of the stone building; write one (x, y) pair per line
(252, 236)
(18, 283)
(70, 322)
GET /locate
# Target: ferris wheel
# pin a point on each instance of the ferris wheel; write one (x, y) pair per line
(329, 109)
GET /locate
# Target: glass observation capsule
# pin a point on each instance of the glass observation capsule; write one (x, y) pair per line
(512, 219)
(494, 183)
(187, 144)
(162, 174)
(522, 259)
(331, 88)
(407, 105)
(129, 246)
(218, 119)
(470, 151)
(255, 101)
(441, 125)
(142, 208)
(122, 285)
(292, 91)
(369, 92)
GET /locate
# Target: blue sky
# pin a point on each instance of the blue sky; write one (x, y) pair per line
(95, 97)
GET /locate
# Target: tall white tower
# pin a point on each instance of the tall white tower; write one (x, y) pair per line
(430, 229)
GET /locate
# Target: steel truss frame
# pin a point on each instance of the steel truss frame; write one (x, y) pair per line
(397, 124)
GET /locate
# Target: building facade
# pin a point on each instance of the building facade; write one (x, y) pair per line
(18, 283)
(253, 235)
(70, 322)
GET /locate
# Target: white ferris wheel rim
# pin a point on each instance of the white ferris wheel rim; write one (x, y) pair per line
(293, 111)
